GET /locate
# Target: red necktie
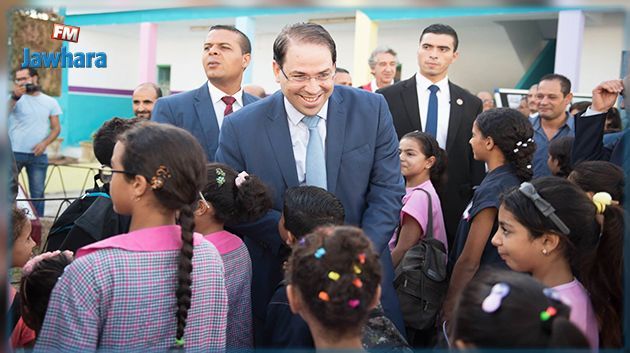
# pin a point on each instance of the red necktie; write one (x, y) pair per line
(229, 101)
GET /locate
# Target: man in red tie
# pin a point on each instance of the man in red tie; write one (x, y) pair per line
(225, 55)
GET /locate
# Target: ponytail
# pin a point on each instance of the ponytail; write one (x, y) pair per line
(184, 270)
(251, 199)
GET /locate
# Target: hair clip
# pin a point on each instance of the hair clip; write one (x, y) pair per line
(323, 296)
(357, 283)
(319, 253)
(493, 301)
(548, 313)
(354, 303)
(240, 178)
(356, 269)
(515, 150)
(519, 143)
(361, 257)
(179, 342)
(161, 174)
(220, 176)
(552, 294)
(302, 241)
(543, 206)
(601, 200)
(334, 275)
(530, 140)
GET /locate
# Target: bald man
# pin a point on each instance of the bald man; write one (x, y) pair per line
(143, 99)
(487, 100)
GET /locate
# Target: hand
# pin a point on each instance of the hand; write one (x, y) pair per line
(19, 90)
(39, 148)
(605, 95)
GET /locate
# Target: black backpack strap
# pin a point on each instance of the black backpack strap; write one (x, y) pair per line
(14, 312)
(428, 233)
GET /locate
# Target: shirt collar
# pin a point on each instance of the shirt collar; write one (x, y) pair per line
(570, 122)
(374, 86)
(423, 83)
(216, 94)
(295, 116)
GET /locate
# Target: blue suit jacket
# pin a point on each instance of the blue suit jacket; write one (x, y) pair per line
(193, 112)
(362, 163)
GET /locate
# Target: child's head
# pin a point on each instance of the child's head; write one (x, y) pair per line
(505, 309)
(613, 121)
(232, 197)
(559, 159)
(333, 280)
(106, 136)
(158, 172)
(420, 153)
(568, 230)
(23, 244)
(39, 277)
(596, 176)
(306, 208)
(508, 132)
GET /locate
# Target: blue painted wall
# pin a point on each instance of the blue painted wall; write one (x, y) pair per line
(85, 113)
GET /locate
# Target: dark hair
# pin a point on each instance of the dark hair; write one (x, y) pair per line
(565, 83)
(430, 148)
(36, 287)
(245, 44)
(302, 33)
(233, 204)
(615, 120)
(594, 252)
(512, 132)
(150, 147)
(516, 323)
(18, 219)
(560, 150)
(439, 28)
(349, 253)
(596, 176)
(580, 106)
(308, 207)
(342, 70)
(31, 71)
(106, 136)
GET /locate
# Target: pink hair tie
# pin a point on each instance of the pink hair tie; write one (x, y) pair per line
(30, 265)
(240, 179)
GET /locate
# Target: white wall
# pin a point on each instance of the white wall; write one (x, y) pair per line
(601, 51)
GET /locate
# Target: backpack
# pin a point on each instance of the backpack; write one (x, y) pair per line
(421, 279)
(88, 219)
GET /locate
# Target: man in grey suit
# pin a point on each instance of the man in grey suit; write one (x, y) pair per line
(312, 132)
(225, 56)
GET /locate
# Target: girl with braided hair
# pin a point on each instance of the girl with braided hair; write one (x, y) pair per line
(160, 286)
(503, 139)
(333, 278)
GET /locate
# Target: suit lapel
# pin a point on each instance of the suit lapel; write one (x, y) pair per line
(409, 95)
(205, 113)
(457, 111)
(277, 128)
(335, 134)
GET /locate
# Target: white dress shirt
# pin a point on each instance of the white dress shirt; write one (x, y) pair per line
(374, 86)
(219, 106)
(299, 136)
(444, 105)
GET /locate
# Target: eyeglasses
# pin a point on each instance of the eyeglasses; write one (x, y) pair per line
(543, 206)
(321, 77)
(106, 173)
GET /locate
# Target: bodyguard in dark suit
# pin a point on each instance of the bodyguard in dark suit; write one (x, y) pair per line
(226, 54)
(444, 110)
(335, 137)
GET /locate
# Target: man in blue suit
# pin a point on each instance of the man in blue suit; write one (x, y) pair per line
(312, 132)
(225, 56)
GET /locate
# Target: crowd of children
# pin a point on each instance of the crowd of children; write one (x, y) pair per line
(528, 268)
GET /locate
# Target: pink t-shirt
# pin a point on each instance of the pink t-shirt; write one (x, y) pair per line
(583, 316)
(416, 205)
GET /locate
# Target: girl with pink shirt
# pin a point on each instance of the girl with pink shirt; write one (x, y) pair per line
(551, 229)
(422, 163)
(232, 198)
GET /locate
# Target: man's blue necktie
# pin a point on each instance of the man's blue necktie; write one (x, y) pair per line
(315, 159)
(432, 112)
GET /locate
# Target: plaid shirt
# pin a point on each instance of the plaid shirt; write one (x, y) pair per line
(238, 279)
(119, 300)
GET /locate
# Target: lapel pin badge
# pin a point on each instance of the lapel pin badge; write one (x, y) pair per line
(460, 101)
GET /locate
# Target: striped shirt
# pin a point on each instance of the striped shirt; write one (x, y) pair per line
(121, 300)
(238, 279)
